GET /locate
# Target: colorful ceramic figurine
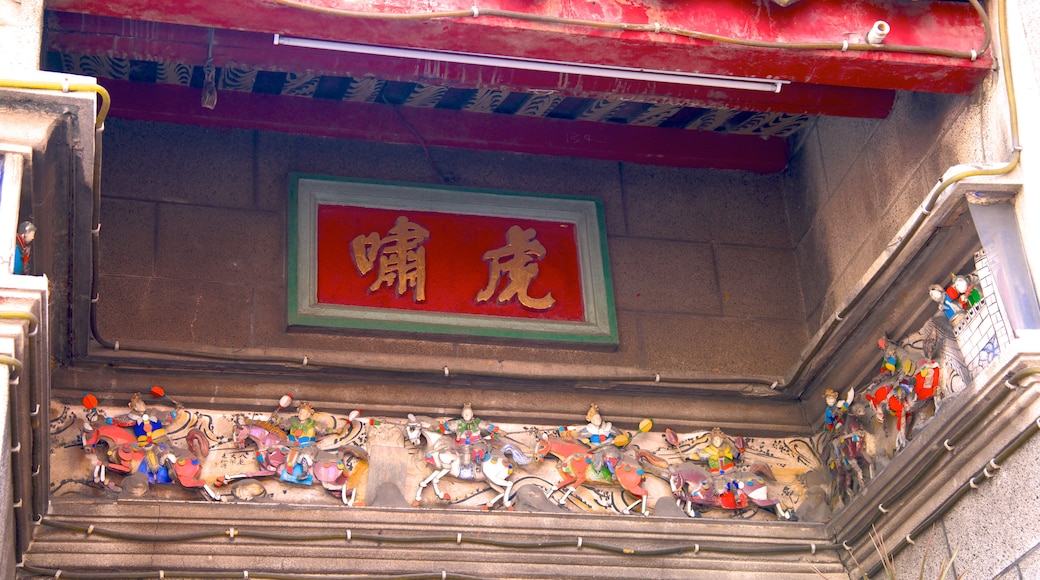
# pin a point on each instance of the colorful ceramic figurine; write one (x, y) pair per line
(721, 452)
(301, 432)
(477, 453)
(468, 431)
(852, 450)
(301, 449)
(834, 415)
(598, 458)
(949, 307)
(577, 468)
(965, 290)
(137, 442)
(598, 435)
(897, 359)
(151, 437)
(23, 248)
(726, 483)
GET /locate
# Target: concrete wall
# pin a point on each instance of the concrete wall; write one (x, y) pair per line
(21, 23)
(992, 532)
(193, 248)
(852, 184)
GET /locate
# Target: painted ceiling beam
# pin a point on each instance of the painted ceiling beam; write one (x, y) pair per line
(80, 35)
(443, 128)
(943, 25)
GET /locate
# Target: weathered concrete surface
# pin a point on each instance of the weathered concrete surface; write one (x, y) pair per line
(21, 34)
(194, 249)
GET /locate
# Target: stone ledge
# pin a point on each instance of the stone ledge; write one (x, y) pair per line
(378, 544)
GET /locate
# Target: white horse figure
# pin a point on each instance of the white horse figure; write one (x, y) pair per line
(493, 467)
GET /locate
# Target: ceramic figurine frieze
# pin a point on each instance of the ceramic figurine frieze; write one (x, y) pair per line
(593, 467)
(917, 372)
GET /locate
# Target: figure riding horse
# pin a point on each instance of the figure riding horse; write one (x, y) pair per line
(469, 456)
(715, 476)
(578, 467)
(140, 442)
(322, 459)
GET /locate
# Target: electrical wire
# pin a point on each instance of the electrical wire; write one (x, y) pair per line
(13, 364)
(161, 574)
(656, 28)
(577, 543)
(894, 497)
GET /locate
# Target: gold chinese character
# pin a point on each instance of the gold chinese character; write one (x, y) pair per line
(402, 259)
(517, 261)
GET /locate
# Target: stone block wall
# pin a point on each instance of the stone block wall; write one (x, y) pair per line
(992, 533)
(193, 248)
(855, 182)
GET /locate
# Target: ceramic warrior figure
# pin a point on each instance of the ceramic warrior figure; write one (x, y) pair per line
(150, 429)
(469, 431)
(23, 248)
(302, 431)
(948, 306)
(834, 416)
(720, 453)
(965, 290)
(598, 435)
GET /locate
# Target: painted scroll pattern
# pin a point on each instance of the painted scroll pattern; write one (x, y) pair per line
(485, 100)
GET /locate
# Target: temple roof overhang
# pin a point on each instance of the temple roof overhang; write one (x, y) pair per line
(704, 83)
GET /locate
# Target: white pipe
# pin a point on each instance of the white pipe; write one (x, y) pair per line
(637, 74)
(878, 32)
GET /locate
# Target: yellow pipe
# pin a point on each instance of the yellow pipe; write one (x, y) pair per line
(34, 322)
(106, 99)
(14, 364)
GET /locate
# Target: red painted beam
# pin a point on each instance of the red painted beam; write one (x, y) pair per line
(85, 35)
(445, 128)
(925, 24)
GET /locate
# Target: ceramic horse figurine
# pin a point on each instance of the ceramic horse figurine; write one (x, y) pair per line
(715, 474)
(329, 465)
(577, 467)
(694, 486)
(117, 446)
(491, 465)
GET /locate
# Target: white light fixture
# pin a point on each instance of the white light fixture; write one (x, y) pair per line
(532, 64)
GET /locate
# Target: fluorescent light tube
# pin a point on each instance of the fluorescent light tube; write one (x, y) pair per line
(617, 72)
